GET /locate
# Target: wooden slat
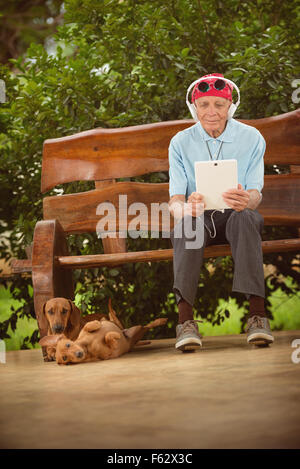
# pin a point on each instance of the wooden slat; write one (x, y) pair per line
(85, 218)
(98, 260)
(77, 212)
(131, 151)
(281, 200)
(19, 266)
(108, 153)
(282, 137)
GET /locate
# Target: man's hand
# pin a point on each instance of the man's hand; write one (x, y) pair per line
(195, 204)
(193, 207)
(238, 199)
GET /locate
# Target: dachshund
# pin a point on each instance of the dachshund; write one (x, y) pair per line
(98, 340)
(64, 317)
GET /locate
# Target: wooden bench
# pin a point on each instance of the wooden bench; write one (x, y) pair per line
(106, 155)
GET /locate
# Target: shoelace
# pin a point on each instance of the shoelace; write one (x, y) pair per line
(255, 321)
(190, 325)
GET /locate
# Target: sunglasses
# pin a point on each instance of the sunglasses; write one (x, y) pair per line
(219, 85)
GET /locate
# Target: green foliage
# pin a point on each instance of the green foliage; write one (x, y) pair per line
(20, 329)
(25, 21)
(120, 63)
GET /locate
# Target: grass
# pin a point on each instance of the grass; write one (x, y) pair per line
(285, 310)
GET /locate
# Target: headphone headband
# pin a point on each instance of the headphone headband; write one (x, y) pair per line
(192, 107)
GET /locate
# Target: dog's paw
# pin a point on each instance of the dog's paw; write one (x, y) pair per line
(49, 359)
(92, 326)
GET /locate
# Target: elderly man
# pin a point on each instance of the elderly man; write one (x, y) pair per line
(218, 136)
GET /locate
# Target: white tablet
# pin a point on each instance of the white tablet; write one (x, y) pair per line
(213, 178)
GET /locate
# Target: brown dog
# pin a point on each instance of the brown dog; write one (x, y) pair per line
(64, 317)
(98, 340)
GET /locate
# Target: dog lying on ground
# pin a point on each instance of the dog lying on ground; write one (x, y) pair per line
(98, 340)
(64, 317)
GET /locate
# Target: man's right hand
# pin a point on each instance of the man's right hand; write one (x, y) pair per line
(193, 207)
(196, 204)
(195, 197)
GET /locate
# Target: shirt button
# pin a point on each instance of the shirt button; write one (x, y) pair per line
(215, 142)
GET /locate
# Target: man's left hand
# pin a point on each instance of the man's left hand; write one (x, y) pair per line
(236, 198)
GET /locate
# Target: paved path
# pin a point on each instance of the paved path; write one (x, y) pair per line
(227, 395)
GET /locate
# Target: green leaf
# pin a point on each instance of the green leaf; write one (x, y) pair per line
(185, 52)
(113, 272)
(272, 84)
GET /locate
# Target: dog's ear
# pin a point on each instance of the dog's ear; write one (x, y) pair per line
(134, 334)
(113, 315)
(44, 308)
(92, 326)
(111, 339)
(51, 340)
(75, 314)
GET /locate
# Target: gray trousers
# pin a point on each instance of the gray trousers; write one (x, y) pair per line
(242, 230)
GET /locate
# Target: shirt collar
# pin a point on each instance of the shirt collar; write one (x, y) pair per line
(227, 135)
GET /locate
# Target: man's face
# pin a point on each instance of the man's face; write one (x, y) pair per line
(212, 113)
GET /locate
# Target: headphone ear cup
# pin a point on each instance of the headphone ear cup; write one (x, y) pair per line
(231, 110)
(193, 111)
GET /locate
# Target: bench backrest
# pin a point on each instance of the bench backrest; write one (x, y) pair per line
(105, 155)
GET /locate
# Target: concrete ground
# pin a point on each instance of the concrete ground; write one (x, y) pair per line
(226, 395)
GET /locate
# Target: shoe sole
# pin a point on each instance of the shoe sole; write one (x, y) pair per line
(260, 339)
(188, 345)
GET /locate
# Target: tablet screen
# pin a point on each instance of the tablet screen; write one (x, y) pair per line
(213, 178)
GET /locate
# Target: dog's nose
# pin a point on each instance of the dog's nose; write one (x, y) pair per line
(58, 328)
(79, 354)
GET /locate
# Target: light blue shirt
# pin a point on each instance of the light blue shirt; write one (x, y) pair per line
(240, 141)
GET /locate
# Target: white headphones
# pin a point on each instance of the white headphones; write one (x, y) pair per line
(192, 107)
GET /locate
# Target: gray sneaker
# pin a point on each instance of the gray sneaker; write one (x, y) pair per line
(187, 336)
(259, 331)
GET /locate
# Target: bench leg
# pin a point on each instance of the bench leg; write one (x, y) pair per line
(49, 280)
